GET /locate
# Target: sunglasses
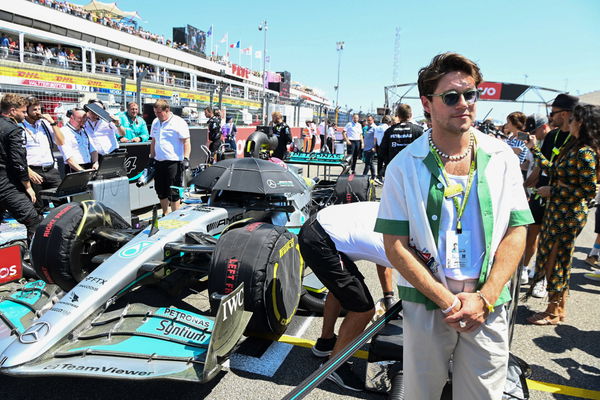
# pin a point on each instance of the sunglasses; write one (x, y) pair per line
(451, 97)
(553, 113)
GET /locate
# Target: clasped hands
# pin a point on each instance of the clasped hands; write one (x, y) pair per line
(469, 314)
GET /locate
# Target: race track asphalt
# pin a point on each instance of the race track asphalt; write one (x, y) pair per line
(566, 355)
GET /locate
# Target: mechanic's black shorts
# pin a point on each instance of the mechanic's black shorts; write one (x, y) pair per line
(537, 207)
(337, 272)
(214, 146)
(168, 173)
(597, 222)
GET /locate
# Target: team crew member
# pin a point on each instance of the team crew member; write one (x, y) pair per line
(134, 126)
(284, 136)
(214, 130)
(399, 135)
(103, 134)
(379, 131)
(330, 243)
(78, 151)
(40, 132)
(454, 198)
(353, 138)
(16, 194)
(171, 148)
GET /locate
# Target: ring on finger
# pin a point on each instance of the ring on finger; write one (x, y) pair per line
(462, 324)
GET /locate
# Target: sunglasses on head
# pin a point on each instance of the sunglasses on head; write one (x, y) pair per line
(451, 97)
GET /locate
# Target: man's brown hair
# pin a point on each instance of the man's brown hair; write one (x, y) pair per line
(32, 101)
(442, 64)
(162, 105)
(12, 101)
(404, 112)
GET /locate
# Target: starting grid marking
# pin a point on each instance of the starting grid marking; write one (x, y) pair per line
(275, 355)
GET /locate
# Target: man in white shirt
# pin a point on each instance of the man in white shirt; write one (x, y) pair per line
(330, 244)
(354, 140)
(40, 132)
(170, 151)
(103, 134)
(78, 151)
(452, 215)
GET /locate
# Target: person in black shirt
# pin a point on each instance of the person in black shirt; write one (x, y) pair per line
(214, 130)
(555, 140)
(284, 136)
(400, 135)
(16, 194)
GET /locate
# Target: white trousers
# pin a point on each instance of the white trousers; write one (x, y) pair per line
(480, 358)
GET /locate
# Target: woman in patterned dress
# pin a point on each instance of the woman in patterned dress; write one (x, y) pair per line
(572, 186)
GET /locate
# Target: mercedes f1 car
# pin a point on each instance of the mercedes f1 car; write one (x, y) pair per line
(131, 303)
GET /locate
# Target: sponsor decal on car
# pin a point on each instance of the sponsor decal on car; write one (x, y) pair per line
(102, 370)
(50, 225)
(223, 222)
(179, 325)
(233, 304)
(171, 224)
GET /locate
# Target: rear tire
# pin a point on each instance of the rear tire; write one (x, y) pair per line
(267, 260)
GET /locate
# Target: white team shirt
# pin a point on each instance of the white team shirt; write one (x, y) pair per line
(350, 227)
(379, 131)
(103, 135)
(77, 145)
(168, 138)
(39, 150)
(353, 130)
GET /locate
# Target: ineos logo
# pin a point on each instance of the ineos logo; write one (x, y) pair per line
(35, 332)
(8, 271)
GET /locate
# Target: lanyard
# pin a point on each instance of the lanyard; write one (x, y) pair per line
(460, 207)
(556, 150)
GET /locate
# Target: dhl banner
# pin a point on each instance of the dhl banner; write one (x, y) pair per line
(21, 76)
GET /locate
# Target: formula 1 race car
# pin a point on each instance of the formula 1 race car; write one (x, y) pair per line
(123, 302)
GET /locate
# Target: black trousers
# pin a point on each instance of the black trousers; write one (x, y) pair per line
(51, 179)
(355, 151)
(14, 200)
(380, 163)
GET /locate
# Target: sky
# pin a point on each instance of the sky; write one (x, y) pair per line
(547, 43)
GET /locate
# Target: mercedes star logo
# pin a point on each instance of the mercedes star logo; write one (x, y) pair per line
(271, 183)
(35, 332)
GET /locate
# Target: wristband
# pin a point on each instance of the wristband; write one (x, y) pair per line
(54, 124)
(454, 304)
(488, 306)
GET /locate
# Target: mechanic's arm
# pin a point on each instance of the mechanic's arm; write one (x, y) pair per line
(57, 135)
(152, 144)
(34, 176)
(288, 135)
(142, 133)
(94, 157)
(345, 137)
(187, 148)
(73, 164)
(403, 259)
(507, 258)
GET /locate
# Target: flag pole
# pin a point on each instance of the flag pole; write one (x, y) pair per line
(212, 36)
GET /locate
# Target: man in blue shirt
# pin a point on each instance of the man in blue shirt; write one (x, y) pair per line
(135, 127)
(369, 148)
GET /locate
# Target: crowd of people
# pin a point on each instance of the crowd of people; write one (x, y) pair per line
(462, 203)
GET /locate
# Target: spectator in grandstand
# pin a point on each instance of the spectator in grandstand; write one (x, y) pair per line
(353, 138)
(399, 135)
(104, 135)
(78, 151)
(29, 51)
(331, 242)
(41, 131)
(16, 194)
(283, 133)
(439, 194)
(379, 131)
(229, 131)
(369, 147)
(4, 45)
(133, 124)
(571, 187)
(552, 145)
(170, 152)
(48, 55)
(214, 131)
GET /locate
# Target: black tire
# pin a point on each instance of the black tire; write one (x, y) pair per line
(62, 248)
(266, 258)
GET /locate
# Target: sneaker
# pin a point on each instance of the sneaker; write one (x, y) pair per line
(524, 276)
(324, 347)
(377, 182)
(345, 377)
(591, 261)
(595, 276)
(539, 290)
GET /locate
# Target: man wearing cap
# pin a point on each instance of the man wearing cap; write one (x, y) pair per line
(554, 141)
